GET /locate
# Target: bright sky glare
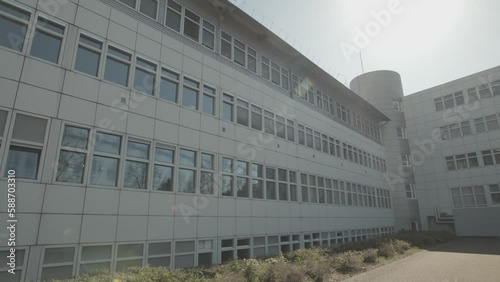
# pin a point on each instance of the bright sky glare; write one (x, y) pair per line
(429, 42)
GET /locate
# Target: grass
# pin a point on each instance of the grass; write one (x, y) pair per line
(316, 265)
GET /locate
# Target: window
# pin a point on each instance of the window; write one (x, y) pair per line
(401, 132)
(208, 100)
(484, 91)
(205, 252)
(302, 135)
(3, 121)
(496, 153)
(283, 184)
(448, 101)
(410, 191)
(88, 55)
(14, 23)
(227, 177)
(47, 40)
(472, 160)
(149, 8)
(251, 59)
(290, 130)
(207, 174)
(450, 163)
(225, 45)
(159, 254)
(454, 130)
(321, 190)
(190, 93)
(265, 67)
(324, 141)
(268, 122)
(293, 186)
(227, 107)
(275, 73)
(280, 127)
(405, 160)
(495, 194)
(438, 103)
(257, 181)
(174, 15)
(397, 105)
(242, 180)
(465, 128)
(117, 66)
(461, 161)
(459, 98)
(304, 188)
(270, 183)
(310, 94)
(242, 112)
(295, 85)
(239, 52)
(145, 76)
(332, 106)
(445, 133)
(136, 165)
(25, 151)
(309, 138)
(487, 157)
(259, 247)
(191, 25)
(95, 257)
(163, 176)
(208, 36)
(106, 158)
(187, 171)
(492, 122)
(19, 269)
(169, 85)
(468, 197)
(325, 103)
(495, 86)
(256, 118)
(73, 155)
(227, 250)
(58, 263)
(472, 92)
(184, 254)
(317, 140)
(479, 123)
(313, 192)
(285, 79)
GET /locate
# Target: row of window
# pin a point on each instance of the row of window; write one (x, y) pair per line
(475, 196)
(233, 109)
(303, 89)
(36, 35)
(457, 130)
(104, 159)
(64, 262)
(470, 160)
(475, 94)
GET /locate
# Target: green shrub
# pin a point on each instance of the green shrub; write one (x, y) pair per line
(348, 262)
(370, 256)
(400, 246)
(303, 256)
(387, 250)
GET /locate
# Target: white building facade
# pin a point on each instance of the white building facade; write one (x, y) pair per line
(175, 134)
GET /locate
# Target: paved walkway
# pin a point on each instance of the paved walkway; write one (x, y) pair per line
(467, 259)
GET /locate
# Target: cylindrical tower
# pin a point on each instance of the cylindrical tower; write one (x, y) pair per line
(384, 90)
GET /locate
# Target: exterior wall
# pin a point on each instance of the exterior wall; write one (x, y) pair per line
(434, 182)
(130, 224)
(467, 223)
(381, 88)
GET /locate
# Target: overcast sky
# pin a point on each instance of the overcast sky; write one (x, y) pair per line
(429, 42)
